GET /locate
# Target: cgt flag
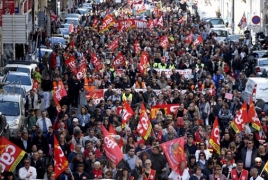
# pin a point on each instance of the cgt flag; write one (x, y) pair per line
(214, 139)
(60, 161)
(174, 152)
(240, 118)
(253, 117)
(10, 154)
(127, 112)
(112, 149)
(144, 126)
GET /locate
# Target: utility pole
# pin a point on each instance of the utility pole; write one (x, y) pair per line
(233, 16)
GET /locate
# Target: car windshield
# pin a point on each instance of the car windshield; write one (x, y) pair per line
(73, 15)
(17, 69)
(221, 33)
(82, 11)
(57, 40)
(64, 31)
(235, 37)
(261, 53)
(216, 21)
(263, 62)
(43, 53)
(14, 89)
(23, 80)
(9, 108)
(69, 21)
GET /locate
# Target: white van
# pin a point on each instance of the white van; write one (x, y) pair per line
(256, 88)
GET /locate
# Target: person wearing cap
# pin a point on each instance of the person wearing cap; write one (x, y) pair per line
(80, 174)
(142, 147)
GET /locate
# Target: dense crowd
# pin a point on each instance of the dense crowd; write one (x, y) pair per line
(215, 70)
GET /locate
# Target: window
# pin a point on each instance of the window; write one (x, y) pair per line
(9, 108)
(263, 62)
(23, 80)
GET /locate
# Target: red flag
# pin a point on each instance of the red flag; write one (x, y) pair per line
(198, 40)
(143, 62)
(71, 28)
(183, 19)
(240, 118)
(114, 44)
(150, 24)
(137, 47)
(95, 23)
(96, 62)
(111, 129)
(108, 21)
(112, 149)
(214, 139)
(81, 71)
(144, 127)
(35, 85)
(10, 153)
(130, 24)
(253, 117)
(174, 152)
(164, 42)
(127, 112)
(119, 60)
(60, 161)
(189, 38)
(160, 22)
(59, 94)
(71, 63)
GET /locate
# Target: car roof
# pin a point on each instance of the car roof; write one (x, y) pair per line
(258, 79)
(225, 29)
(18, 73)
(265, 99)
(72, 18)
(22, 65)
(22, 62)
(74, 14)
(265, 58)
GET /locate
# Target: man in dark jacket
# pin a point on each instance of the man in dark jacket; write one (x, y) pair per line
(81, 174)
(158, 162)
(248, 154)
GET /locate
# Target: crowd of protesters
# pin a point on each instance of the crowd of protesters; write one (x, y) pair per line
(216, 69)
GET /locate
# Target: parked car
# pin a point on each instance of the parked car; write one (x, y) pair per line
(57, 40)
(19, 66)
(69, 20)
(17, 89)
(222, 33)
(19, 78)
(213, 21)
(74, 15)
(261, 105)
(261, 53)
(261, 67)
(84, 10)
(64, 32)
(12, 106)
(35, 55)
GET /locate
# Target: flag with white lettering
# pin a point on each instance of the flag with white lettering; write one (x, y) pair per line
(10, 154)
(253, 117)
(240, 119)
(60, 161)
(112, 149)
(127, 113)
(214, 139)
(144, 126)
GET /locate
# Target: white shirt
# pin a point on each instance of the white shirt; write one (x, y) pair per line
(39, 123)
(23, 172)
(175, 176)
(258, 178)
(207, 153)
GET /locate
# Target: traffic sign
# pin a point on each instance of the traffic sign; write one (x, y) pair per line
(256, 19)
